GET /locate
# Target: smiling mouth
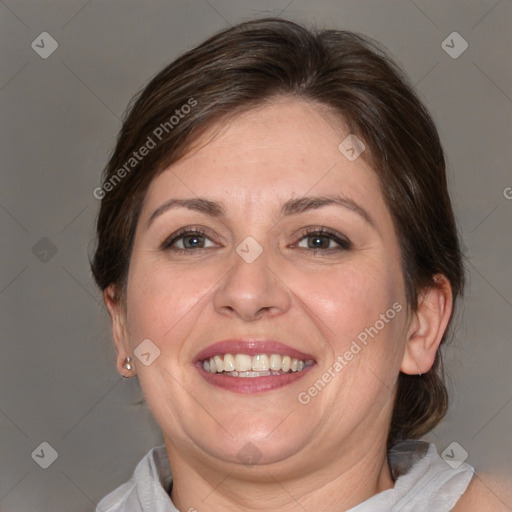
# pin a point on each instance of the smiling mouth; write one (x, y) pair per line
(259, 365)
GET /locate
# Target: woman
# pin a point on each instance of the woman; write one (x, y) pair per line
(278, 254)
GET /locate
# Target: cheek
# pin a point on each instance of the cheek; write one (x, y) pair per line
(363, 313)
(341, 300)
(352, 298)
(163, 299)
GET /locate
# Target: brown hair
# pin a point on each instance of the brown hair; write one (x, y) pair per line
(251, 63)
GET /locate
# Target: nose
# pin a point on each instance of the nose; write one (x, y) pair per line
(252, 291)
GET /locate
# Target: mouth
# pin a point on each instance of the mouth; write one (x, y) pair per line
(260, 365)
(248, 366)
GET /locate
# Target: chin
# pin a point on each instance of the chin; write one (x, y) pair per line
(250, 448)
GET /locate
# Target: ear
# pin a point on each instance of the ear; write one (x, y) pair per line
(427, 327)
(117, 313)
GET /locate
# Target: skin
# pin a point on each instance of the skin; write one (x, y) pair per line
(487, 492)
(329, 454)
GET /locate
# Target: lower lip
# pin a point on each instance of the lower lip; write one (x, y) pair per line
(247, 385)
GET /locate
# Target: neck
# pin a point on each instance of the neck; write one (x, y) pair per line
(333, 486)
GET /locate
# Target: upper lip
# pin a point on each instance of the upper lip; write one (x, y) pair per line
(251, 347)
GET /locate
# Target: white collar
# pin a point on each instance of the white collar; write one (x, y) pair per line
(423, 482)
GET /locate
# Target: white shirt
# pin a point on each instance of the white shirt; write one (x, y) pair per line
(424, 482)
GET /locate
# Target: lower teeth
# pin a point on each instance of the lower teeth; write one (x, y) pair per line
(255, 374)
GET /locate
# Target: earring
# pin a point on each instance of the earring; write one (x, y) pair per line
(128, 366)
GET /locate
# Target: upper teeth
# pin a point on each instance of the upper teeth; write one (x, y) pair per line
(258, 363)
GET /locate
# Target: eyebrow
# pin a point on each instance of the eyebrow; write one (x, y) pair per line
(290, 207)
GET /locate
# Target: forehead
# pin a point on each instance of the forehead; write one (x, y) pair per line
(286, 148)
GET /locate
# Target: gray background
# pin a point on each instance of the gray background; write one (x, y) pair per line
(60, 117)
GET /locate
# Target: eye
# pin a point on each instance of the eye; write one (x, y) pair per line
(195, 238)
(190, 238)
(321, 238)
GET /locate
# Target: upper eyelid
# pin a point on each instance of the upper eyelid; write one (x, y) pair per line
(180, 233)
(303, 233)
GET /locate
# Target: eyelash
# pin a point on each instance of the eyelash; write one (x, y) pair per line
(344, 243)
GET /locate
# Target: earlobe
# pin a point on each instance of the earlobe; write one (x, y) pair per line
(119, 331)
(427, 327)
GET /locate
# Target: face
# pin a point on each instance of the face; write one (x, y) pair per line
(289, 278)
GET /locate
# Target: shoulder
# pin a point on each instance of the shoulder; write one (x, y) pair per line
(144, 486)
(492, 494)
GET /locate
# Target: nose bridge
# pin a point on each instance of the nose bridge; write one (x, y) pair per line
(250, 286)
